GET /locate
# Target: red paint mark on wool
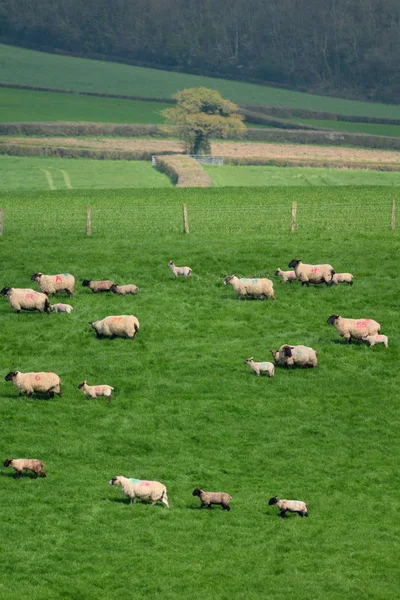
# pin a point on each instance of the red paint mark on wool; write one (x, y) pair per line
(29, 296)
(314, 270)
(361, 324)
(37, 377)
(58, 279)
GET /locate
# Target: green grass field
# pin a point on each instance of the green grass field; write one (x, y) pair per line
(186, 409)
(28, 67)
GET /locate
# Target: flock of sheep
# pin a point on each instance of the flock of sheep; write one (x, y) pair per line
(128, 325)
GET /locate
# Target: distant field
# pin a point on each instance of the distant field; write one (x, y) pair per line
(29, 67)
(372, 128)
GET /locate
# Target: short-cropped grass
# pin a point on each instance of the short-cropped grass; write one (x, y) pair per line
(186, 409)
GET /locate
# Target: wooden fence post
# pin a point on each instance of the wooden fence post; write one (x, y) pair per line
(185, 219)
(1, 221)
(294, 213)
(394, 214)
(89, 220)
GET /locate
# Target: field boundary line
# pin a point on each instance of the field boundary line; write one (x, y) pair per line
(49, 178)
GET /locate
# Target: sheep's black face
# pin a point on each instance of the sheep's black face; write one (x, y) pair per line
(287, 351)
(227, 280)
(273, 500)
(80, 386)
(196, 492)
(85, 283)
(293, 263)
(5, 291)
(10, 375)
(332, 319)
(35, 276)
(113, 288)
(113, 481)
(276, 273)
(8, 462)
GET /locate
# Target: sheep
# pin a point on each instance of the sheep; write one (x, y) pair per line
(26, 464)
(209, 498)
(376, 339)
(26, 299)
(129, 288)
(294, 506)
(343, 278)
(51, 284)
(180, 271)
(94, 391)
(295, 356)
(142, 489)
(285, 275)
(255, 288)
(260, 367)
(35, 383)
(98, 286)
(312, 273)
(354, 328)
(116, 326)
(59, 308)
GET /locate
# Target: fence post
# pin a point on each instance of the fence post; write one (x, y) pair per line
(89, 220)
(185, 219)
(294, 213)
(1, 221)
(393, 214)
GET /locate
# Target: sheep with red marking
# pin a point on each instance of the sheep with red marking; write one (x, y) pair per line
(152, 491)
(312, 273)
(376, 339)
(95, 391)
(354, 328)
(98, 286)
(26, 464)
(116, 326)
(343, 278)
(35, 383)
(26, 299)
(51, 284)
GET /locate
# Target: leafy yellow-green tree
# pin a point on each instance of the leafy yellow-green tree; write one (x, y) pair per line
(200, 114)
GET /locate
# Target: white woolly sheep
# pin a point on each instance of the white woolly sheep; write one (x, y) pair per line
(35, 383)
(140, 488)
(261, 367)
(94, 391)
(285, 275)
(51, 284)
(128, 288)
(343, 278)
(98, 286)
(294, 506)
(59, 308)
(295, 356)
(209, 498)
(255, 288)
(180, 271)
(354, 328)
(312, 273)
(26, 299)
(26, 464)
(116, 326)
(376, 339)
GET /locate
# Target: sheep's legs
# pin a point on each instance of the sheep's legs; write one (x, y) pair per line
(283, 514)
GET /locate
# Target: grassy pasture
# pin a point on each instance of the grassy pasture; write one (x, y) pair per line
(28, 67)
(186, 409)
(372, 128)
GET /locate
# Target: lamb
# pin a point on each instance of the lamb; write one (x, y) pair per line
(354, 328)
(285, 275)
(142, 489)
(26, 299)
(51, 284)
(129, 288)
(294, 506)
(343, 278)
(180, 271)
(94, 391)
(98, 286)
(295, 356)
(35, 383)
(376, 339)
(59, 308)
(26, 464)
(256, 288)
(312, 273)
(116, 326)
(209, 498)
(260, 367)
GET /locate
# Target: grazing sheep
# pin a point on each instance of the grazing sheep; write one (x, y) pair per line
(51, 284)
(209, 498)
(354, 328)
(343, 278)
(180, 271)
(376, 339)
(35, 383)
(98, 286)
(26, 299)
(312, 273)
(142, 489)
(116, 326)
(59, 308)
(285, 275)
(294, 506)
(26, 464)
(295, 356)
(255, 288)
(94, 391)
(129, 288)
(260, 367)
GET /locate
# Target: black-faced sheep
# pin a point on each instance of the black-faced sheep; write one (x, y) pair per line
(26, 464)
(51, 284)
(26, 299)
(354, 328)
(209, 498)
(312, 273)
(35, 383)
(98, 286)
(295, 356)
(294, 506)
